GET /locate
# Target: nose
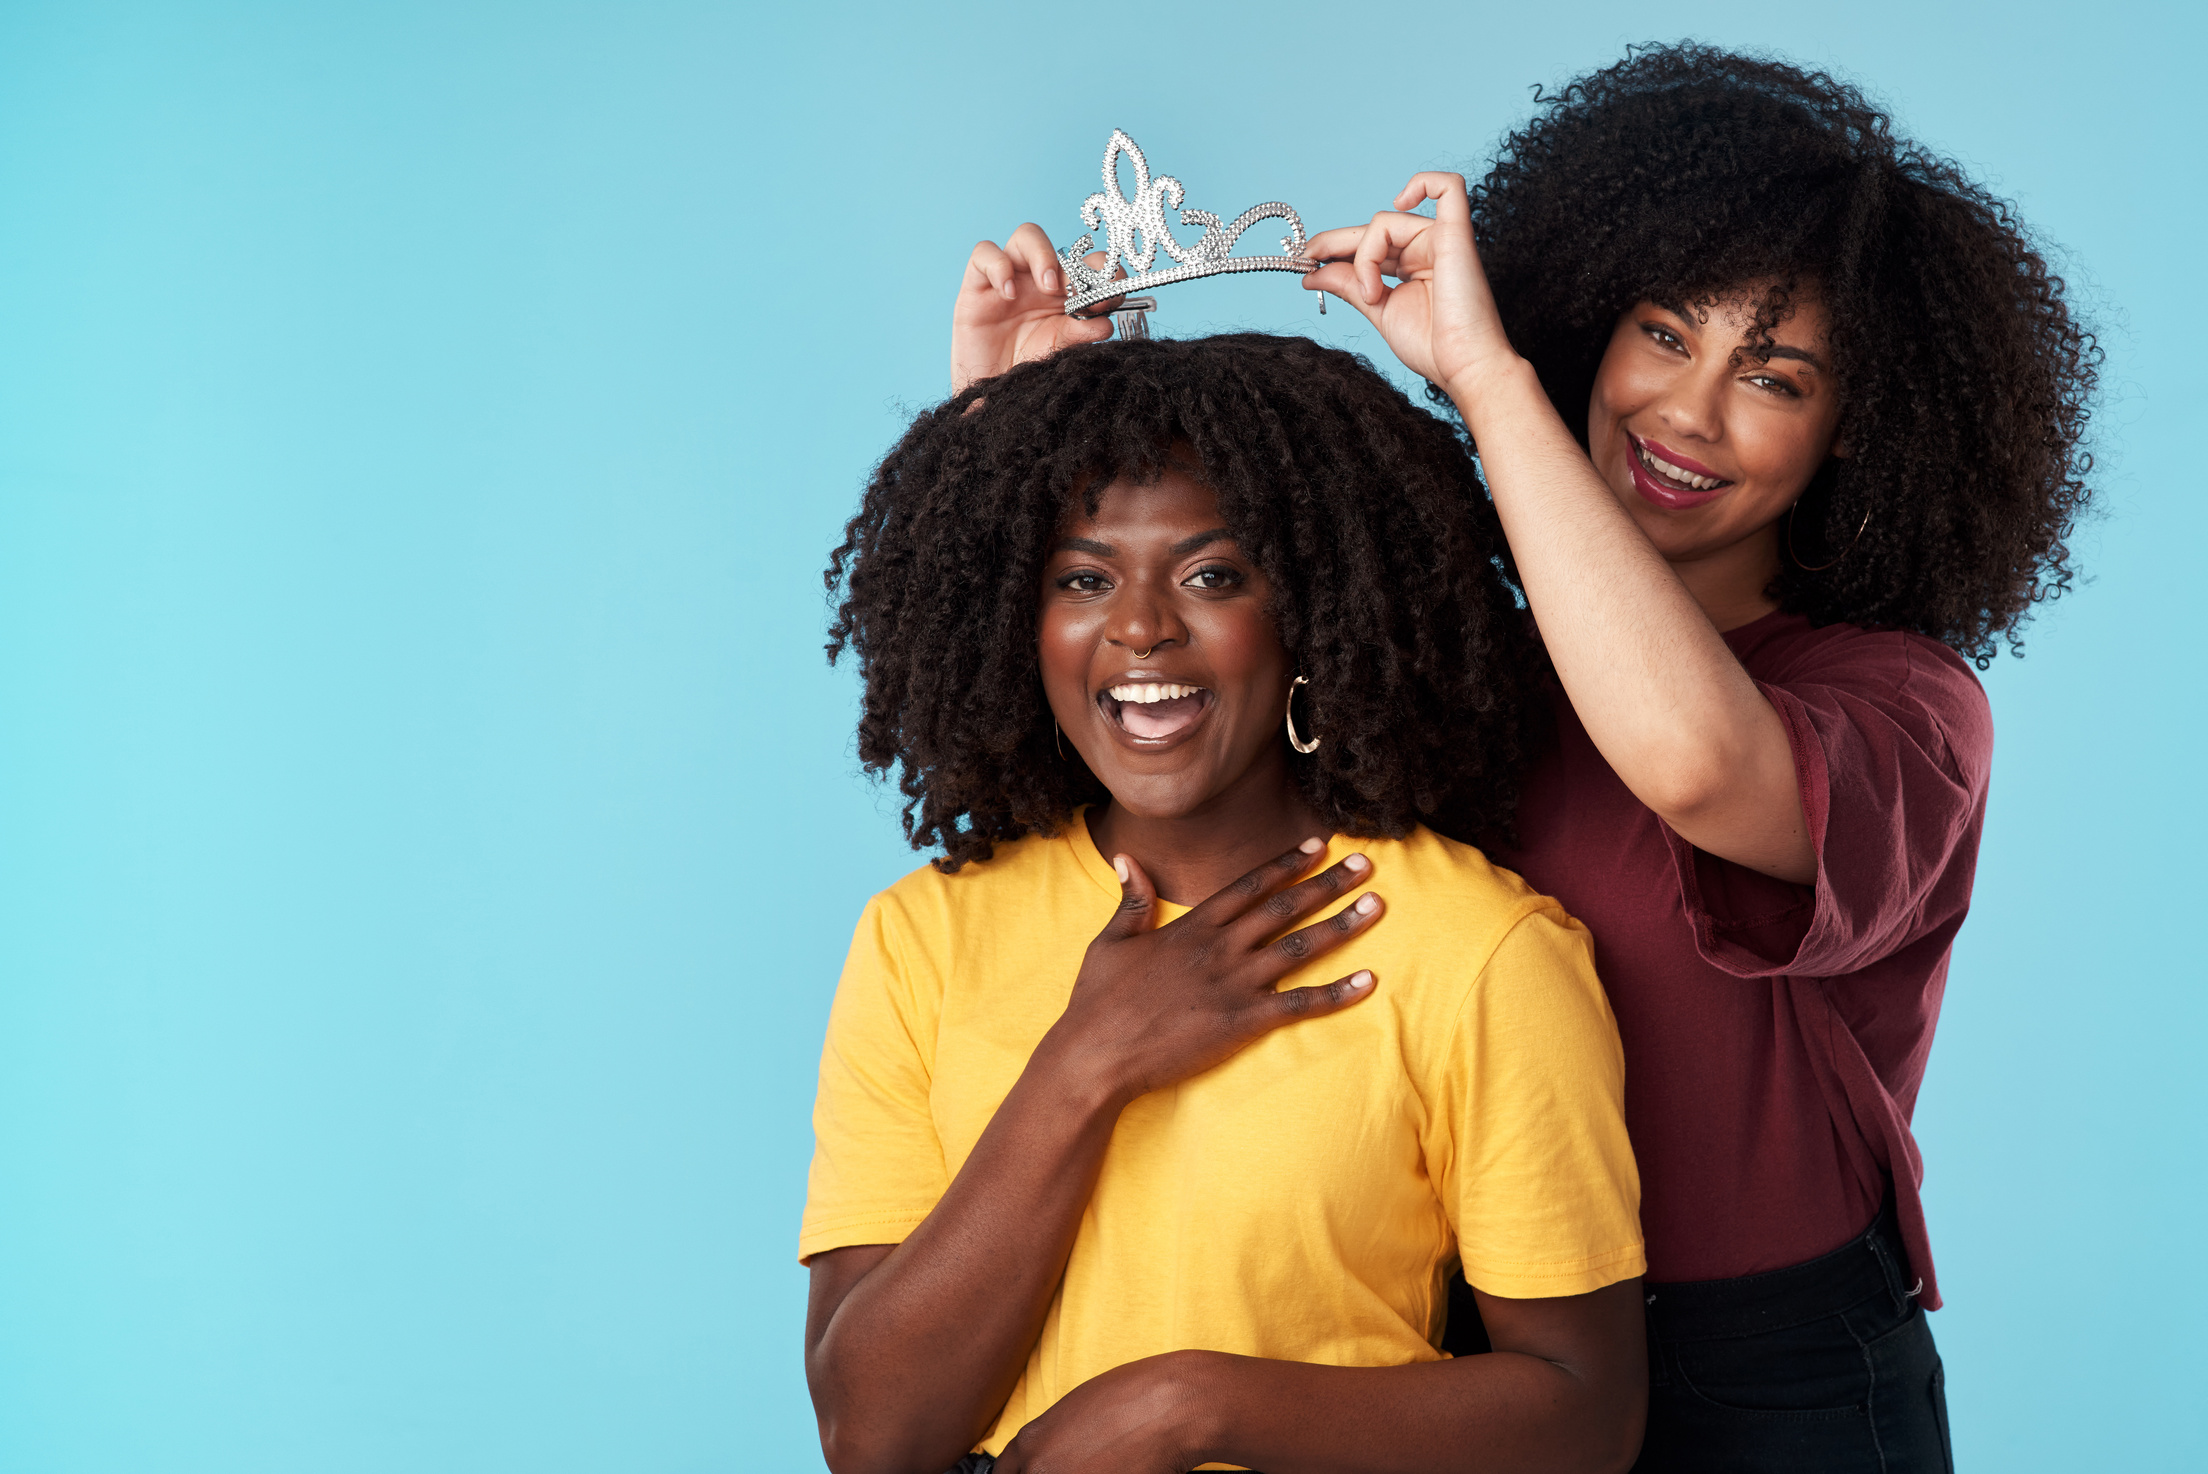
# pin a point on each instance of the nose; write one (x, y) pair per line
(1143, 619)
(1693, 405)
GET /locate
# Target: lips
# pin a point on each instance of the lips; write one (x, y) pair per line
(1662, 489)
(1152, 712)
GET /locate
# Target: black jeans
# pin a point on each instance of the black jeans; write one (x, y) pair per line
(1821, 1368)
(1826, 1367)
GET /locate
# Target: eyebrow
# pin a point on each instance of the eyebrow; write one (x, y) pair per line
(1180, 549)
(1777, 350)
(1189, 545)
(1781, 350)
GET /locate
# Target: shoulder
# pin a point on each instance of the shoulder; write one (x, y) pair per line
(1457, 895)
(910, 935)
(1028, 892)
(1910, 678)
(1498, 965)
(1427, 858)
(928, 894)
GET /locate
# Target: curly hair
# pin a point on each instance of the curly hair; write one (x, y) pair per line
(1362, 508)
(1683, 173)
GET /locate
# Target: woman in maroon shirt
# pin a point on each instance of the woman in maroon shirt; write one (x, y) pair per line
(1781, 418)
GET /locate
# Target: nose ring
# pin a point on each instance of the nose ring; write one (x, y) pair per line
(1144, 654)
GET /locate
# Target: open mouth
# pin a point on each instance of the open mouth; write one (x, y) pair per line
(1154, 712)
(1682, 479)
(1669, 484)
(1663, 482)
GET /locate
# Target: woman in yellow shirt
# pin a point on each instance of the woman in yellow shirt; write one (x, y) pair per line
(1165, 1159)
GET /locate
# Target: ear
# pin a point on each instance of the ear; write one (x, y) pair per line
(1841, 448)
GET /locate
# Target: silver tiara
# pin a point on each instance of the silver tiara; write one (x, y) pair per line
(1135, 231)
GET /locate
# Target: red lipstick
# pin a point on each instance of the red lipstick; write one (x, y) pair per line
(1659, 490)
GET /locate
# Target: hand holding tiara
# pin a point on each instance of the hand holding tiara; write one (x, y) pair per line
(1011, 309)
(1440, 319)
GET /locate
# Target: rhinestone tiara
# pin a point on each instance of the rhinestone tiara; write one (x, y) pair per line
(1135, 231)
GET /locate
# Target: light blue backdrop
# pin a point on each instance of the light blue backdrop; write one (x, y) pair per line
(428, 833)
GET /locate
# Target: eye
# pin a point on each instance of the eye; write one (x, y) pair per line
(1775, 384)
(1664, 336)
(1083, 581)
(1214, 576)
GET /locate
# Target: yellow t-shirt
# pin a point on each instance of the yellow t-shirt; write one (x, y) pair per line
(1307, 1199)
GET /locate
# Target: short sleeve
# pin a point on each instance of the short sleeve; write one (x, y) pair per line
(1893, 745)
(1533, 1165)
(877, 1161)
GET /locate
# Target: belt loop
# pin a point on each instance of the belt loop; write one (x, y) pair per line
(1890, 1266)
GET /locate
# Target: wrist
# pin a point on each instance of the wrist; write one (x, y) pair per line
(1078, 1079)
(1479, 386)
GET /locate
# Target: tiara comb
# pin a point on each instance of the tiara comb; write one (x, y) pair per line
(1135, 233)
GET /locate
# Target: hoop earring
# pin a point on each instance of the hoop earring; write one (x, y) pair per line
(1821, 567)
(1306, 748)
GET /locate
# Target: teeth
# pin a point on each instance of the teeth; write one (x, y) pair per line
(1144, 692)
(1665, 468)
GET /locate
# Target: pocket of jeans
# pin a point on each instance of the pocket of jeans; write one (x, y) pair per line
(1804, 1373)
(1911, 1404)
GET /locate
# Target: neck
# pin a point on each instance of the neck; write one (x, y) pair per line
(1191, 856)
(1732, 583)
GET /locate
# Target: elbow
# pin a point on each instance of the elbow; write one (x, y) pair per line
(848, 1455)
(852, 1444)
(844, 1449)
(852, 1451)
(862, 1429)
(1601, 1427)
(1680, 786)
(1615, 1442)
(1603, 1445)
(1625, 1450)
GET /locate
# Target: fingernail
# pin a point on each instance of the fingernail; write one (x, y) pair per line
(1050, 281)
(1312, 846)
(1359, 981)
(1366, 905)
(1357, 863)
(1119, 865)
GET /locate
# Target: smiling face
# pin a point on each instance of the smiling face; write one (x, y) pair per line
(1706, 444)
(1159, 658)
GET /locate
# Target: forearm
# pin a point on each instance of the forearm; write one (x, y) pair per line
(1496, 1414)
(922, 1352)
(1661, 694)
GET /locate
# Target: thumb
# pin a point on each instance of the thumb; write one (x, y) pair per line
(1072, 330)
(1138, 900)
(1338, 279)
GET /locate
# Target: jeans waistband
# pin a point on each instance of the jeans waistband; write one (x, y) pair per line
(1871, 1264)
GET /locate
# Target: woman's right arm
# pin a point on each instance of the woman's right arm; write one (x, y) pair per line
(1664, 699)
(912, 1349)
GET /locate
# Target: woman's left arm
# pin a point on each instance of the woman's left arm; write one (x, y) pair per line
(1652, 680)
(1564, 1392)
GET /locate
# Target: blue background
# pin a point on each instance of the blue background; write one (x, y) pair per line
(428, 833)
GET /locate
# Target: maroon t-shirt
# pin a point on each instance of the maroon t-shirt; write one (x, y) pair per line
(1776, 1034)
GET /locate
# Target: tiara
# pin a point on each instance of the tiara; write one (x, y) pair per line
(1135, 232)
